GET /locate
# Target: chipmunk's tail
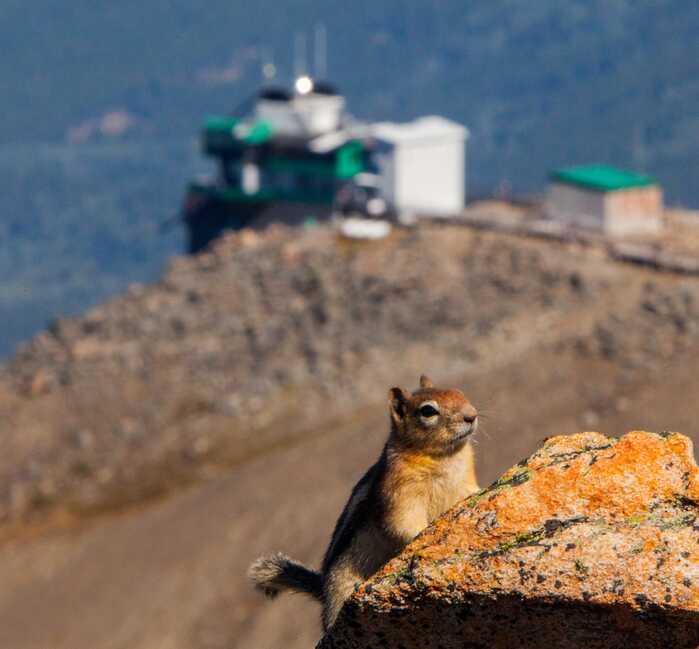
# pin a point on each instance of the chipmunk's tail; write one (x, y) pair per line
(275, 573)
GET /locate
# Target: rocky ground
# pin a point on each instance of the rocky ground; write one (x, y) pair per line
(589, 543)
(158, 443)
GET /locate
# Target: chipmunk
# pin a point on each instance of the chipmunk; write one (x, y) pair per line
(426, 466)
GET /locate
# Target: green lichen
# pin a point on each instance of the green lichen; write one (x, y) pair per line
(686, 503)
(559, 458)
(519, 540)
(636, 520)
(581, 567)
(600, 521)
(680, 520)
(532, 537)
(519, 476)
(677, 512)
(473, 500)
(665, 434)
(405, 573)
(522, 539)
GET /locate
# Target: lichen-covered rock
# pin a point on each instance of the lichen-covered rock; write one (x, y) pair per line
(591, 542)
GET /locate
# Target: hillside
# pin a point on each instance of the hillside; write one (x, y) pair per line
(159, 442)
(538, 87)
(548, 85)
(80, 225)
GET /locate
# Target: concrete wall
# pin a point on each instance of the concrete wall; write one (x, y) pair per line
(571, 204)
(618, 213)
(385, 158)
(424, 175)
(634, 211)
(429, 176)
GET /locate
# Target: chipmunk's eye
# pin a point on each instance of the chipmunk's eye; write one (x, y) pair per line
(428, 411)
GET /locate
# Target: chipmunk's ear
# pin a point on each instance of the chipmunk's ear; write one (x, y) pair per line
(426, 382)
(397, 402)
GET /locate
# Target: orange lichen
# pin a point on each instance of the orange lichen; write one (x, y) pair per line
(587, 518)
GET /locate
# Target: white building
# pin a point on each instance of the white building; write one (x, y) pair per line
(605, 199)
(311, 110)
(422, 165)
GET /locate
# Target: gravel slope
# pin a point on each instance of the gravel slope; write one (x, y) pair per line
(124, 529)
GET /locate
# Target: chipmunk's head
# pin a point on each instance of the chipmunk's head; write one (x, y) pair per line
(437, 422)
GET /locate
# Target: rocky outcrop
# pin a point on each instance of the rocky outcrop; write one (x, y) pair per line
(592, 542)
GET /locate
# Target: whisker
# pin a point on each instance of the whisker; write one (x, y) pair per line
(486, 433)
(487, 410)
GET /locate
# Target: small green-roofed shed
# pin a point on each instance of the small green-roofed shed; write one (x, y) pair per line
(601, 178)
(605, 199)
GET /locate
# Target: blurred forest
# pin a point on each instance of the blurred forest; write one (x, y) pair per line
(102, 102)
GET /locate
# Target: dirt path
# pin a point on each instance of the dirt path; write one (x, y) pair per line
(172, 575)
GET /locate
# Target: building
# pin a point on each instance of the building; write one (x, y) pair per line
(295, 156)
(606, 199)
(283, 161)
(422, 165)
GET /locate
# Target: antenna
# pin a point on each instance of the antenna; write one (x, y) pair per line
(269, 70)
(321, 51)
(639, 150)
(300, 64)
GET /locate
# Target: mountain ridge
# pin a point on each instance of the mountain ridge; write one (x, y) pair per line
(538, 86)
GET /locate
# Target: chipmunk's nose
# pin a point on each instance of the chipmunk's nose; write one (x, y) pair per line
(470, 414)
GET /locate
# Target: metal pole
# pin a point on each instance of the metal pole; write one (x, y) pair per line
(321, 51)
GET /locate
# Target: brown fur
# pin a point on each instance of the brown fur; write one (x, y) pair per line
(426, 466)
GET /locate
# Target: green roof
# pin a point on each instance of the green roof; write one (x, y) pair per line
(601, 178)
(258, 133)
(220, 124)
(350, 160)
(223, 134)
